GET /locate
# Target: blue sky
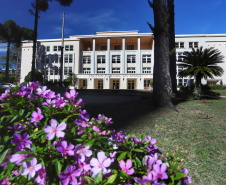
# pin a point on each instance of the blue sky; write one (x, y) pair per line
(91, 16)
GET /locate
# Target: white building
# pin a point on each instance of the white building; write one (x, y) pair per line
(110, 60)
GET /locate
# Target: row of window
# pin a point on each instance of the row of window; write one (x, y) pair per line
(56, 70)
(68, 58)
(58, 48)
(117, 59)
(118, 47)
(131, 84)
(117, 70)
(190, 44)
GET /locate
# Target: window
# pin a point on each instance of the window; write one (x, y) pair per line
(116, 59)
(130, 47)
(131, 58)
(147, 83)
(51, 71)
(68, 58)
(47, 48)
(115, 84)
(101, 59)
(86, 59)
(193, 44)
(179, 44)
(67, 70)
(84, 83)
(56, 48)
(146, 58)
(146, 70)
(130, 84)
(52, 59)
(56, 70)
(100, 84)
(131, 70)
(100, 70)
(103, 48)
(115, 70)
(86, 70)
(117, 47)
(180, 56)
(69, 48)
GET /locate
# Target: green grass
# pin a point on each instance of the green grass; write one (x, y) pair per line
(222, 92)
(197, 133)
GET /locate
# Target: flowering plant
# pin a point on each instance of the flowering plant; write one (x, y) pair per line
(49, 139)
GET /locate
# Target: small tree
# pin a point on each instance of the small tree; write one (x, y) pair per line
(72, 79)
(38, 77)
(202, 64)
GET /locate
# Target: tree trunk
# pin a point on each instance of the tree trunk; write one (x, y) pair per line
(7, 62)
(162, 86)
(172, 56)
(34, 43)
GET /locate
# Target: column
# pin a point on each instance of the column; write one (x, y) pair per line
(49, 67)
(93, 70)
(123, 63)
(138, 61)
(108, 57)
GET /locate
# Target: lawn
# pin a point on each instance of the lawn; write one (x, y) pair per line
(197, 133)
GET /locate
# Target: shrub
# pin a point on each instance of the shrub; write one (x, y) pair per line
(48, 139)
(217, 87)
(38, 77)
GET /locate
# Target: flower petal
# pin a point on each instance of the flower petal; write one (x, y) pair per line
(53, 123)
(107, 162)
(122, 164)
(60, 134)
(94, 162)
(62, 126)
(64, 144)
(101, 156)
(24, 172)
(163, 167)
(48, 129)
(129, 163)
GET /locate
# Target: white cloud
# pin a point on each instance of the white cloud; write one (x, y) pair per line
(101, 20)
(3, 47)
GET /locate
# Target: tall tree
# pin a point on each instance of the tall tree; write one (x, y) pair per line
(13, 55)
(202, 64)
(11, 33)
(172, 57)
(162, 86)
(37, 7)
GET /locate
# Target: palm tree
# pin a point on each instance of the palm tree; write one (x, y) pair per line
(11, 33)
(41, 6)
(202, 64)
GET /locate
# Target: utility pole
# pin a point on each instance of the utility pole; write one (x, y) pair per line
(62, 54)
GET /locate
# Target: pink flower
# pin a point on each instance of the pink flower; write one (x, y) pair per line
(37, 116)
(54, 129)
(41, 176)
(72, 94)
(69, 176)
(17, 158)
(64, 149)
(126, 166)
(100, 164)
(83, 151)
(30, 168)
(42, 91)
(160, 172)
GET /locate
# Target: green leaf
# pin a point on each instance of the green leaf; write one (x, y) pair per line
(35, 133)
(138, 161)
(73, 130)
(90, 142)
(2, 118)
(23, 152)
(121, 156)
(3, 155)
(137, 150)
(98, 179)
(58, 167)
(179, 176)
(14, 118)
(21, 112)
(28, 114)
(6, 138)
(112, 178)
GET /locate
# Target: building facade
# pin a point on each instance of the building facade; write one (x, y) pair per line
(111, 60)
